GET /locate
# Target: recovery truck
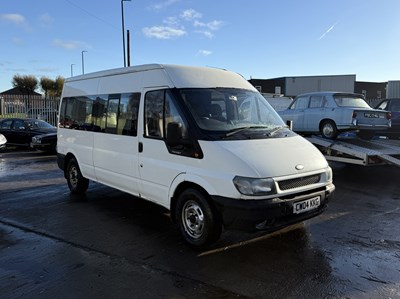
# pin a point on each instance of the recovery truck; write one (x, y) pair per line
(359, 151)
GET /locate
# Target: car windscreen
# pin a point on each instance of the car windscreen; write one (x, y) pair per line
(350, 101)
(227, 109)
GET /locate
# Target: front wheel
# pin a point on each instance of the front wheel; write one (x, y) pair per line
(76, 182)
(328, 129)
(197, 220)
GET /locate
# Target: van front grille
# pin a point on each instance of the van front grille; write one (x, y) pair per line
(299, 182)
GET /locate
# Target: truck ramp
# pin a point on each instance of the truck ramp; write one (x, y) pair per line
(359, 151)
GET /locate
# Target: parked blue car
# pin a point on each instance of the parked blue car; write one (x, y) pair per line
(392, 105)
(331, 113)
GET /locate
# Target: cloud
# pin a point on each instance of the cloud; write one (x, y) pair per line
(327, 31)
(163, 32)
(175, 29)
(190, 15)
(70, 45)
(204, 53)
(16, 19)
(213, 25)
(164, 4)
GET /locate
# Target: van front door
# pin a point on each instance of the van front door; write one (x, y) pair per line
(157, 166)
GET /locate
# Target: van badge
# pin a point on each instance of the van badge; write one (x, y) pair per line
(299, 167)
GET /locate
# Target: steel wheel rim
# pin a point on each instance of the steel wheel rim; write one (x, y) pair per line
(193, 219)
(73, 176)
(328, 130)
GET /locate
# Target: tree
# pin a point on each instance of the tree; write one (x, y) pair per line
(47, 85)
(58, 86)
(26, 84)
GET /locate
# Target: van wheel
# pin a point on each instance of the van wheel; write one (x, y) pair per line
(76, 182)
(198, 222)
(328, 129)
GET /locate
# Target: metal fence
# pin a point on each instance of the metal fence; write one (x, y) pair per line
(38, 108)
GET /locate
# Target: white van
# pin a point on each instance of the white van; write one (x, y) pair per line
(201, 142)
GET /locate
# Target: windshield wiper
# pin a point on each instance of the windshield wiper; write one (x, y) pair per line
(273, 131)
(237, 130)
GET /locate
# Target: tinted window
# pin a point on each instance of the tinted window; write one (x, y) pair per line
(114, 114)
(6, 124)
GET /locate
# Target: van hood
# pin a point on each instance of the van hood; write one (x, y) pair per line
(274, 157)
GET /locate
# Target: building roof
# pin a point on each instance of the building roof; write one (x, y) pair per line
(17, 91)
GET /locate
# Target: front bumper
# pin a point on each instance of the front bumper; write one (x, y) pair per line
(270, 214)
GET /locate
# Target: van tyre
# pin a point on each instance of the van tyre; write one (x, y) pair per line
(328, 129)
(197, 220)
(76, 182)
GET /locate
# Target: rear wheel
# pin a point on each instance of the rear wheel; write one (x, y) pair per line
(328, 129)
(197, 220)
(76, 182)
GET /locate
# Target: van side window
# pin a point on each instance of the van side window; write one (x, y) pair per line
(128, 117)
(172, 116)
(112, 114)
(153, 113)
(160, 110)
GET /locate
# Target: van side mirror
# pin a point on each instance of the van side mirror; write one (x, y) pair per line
(174, 134)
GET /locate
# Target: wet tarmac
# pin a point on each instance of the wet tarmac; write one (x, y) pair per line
(110, 244)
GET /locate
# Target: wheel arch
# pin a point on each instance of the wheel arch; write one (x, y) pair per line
(182, 184)
(324, 120)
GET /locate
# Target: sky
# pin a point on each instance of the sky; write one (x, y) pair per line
(259, 39)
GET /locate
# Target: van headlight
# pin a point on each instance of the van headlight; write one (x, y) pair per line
(254, 186)
(329, 175)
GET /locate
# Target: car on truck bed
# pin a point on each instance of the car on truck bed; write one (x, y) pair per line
(331, 113)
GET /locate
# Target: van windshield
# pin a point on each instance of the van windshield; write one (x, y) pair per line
(230, 110)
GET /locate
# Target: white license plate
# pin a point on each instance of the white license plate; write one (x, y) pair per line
(306, 205)
(373, 115)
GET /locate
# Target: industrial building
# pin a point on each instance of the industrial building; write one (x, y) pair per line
(292, 86)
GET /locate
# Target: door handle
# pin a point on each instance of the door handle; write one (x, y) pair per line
(140, 147)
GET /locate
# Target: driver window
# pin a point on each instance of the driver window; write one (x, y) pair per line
(301, 103)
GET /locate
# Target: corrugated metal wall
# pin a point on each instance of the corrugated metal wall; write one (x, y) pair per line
(298, 85)
(393, 89)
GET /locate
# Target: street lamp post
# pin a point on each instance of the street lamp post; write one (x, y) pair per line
(123, 30)
(83, 63)
(72, 70)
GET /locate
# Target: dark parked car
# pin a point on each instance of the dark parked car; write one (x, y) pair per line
(45, 142)
(392, 105)
(19, 131)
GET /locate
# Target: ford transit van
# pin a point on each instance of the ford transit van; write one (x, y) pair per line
(201, 142)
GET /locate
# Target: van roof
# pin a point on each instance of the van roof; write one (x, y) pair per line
(180, 76)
